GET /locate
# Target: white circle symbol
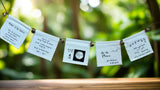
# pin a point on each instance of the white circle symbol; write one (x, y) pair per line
(79, 55)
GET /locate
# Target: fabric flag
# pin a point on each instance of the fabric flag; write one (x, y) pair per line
(14, 31)
(137, 46)
(108, 53)
(76, 51)
(43, 45)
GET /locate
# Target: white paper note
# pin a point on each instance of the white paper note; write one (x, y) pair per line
(43, 45)
(76, 51)
(14, 31)
(137, 46)
(108, 53)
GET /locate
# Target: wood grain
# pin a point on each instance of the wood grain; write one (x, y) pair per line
(82, 84)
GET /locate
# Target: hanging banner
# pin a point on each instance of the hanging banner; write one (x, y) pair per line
(14, 31)
(43, 45)
(76, 51)
(137, 46)
(108, 53)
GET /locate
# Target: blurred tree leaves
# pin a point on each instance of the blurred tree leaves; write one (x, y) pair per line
(111, 20)
(2, 64)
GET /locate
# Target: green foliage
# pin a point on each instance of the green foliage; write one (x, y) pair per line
(111, 20)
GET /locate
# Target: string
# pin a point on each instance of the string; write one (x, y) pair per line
(4, 7)
(92, 43)
(121, 42)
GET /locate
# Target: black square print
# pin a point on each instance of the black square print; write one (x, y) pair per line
(79, 55)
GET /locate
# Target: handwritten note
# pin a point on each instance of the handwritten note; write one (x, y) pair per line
(43, 45)
(76, 51)
(14, 31)
(137, 46)
(108, 53)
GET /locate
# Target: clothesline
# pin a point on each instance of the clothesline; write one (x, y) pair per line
(44, 45)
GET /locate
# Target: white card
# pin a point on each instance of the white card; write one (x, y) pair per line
(137, 46)
(108, 53)
(76, 51)
(14, 31)
(43, 45)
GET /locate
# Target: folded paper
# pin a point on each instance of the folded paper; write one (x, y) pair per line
(14, 31)
(76, 51)
(43, 45)
(108, 53)
(137, 46)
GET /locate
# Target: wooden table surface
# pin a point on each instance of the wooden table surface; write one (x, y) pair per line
(82, 84)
